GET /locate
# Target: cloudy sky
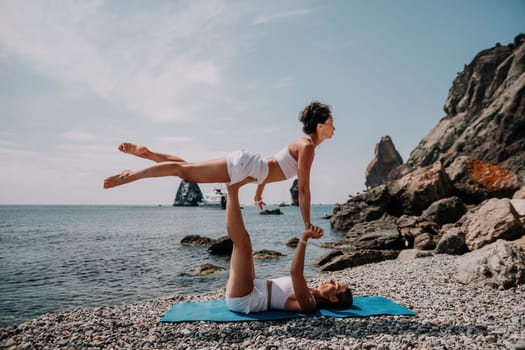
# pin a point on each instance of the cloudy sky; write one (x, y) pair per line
(203, 78)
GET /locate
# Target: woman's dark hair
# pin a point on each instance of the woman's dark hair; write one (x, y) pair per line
(313, 114)
(345, 300)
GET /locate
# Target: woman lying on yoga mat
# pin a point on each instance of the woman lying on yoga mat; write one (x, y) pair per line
(245, 293)
(294, 159)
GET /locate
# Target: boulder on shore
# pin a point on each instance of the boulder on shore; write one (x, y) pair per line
(475, 180)
(499, 265)
(492, 220)
(415, 191)
(445, 211)
(360, 257)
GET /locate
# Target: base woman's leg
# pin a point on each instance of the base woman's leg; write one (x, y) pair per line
(242, 271)
(213, 171)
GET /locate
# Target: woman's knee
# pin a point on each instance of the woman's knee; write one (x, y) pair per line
(179, 170)
(241, 240)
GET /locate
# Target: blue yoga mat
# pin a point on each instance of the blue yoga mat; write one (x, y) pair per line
(217, 311)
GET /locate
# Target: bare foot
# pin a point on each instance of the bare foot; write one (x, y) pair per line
(117, 180)
(133, 149)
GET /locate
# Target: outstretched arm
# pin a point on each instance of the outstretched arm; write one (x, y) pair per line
(258, 196)
(305, 300)
(304, 165)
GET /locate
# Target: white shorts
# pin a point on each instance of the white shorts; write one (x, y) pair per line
(242, 164)
(256, 301)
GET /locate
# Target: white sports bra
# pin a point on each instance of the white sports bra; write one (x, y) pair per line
(282, 288)
(286, 162)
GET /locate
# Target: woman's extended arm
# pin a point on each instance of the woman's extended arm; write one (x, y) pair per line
(304, 164)
(258, 196)
(302, 292)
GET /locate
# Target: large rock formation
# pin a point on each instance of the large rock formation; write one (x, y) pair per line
(485, 113)
(188, 195)
(386, 158)
(453, 194)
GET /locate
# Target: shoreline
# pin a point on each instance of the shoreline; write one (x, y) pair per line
(449, 315)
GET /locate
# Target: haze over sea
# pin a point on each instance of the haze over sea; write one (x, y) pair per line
(56, 258)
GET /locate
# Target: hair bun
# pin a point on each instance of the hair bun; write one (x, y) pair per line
(313, 114)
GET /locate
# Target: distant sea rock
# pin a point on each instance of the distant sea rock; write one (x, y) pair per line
(188, 195)
(294, 192)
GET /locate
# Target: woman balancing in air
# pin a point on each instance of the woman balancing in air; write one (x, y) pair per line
(294, 159)
(245, 293)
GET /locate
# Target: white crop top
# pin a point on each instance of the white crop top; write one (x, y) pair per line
(287, 163)
(282, 288)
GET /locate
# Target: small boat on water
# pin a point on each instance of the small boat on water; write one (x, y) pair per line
(217, 199)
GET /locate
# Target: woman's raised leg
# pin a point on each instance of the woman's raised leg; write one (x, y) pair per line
(144, 152)
(242, 271)
(202, 172)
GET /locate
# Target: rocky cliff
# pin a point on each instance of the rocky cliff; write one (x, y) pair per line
(453, 195)
(485, 113)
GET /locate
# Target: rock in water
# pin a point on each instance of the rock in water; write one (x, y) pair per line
(221, 246)
(188, 195)
(294, 192)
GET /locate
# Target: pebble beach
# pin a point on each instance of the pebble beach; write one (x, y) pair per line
(449, 316)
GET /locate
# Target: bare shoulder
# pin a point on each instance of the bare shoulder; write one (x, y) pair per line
(302, 144)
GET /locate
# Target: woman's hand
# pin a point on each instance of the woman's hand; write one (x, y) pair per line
(314, 232)
(259, 202)
(257, 198)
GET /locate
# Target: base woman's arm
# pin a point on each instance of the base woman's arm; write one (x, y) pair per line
(302, 292)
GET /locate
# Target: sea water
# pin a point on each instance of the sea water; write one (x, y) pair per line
(57, 258)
